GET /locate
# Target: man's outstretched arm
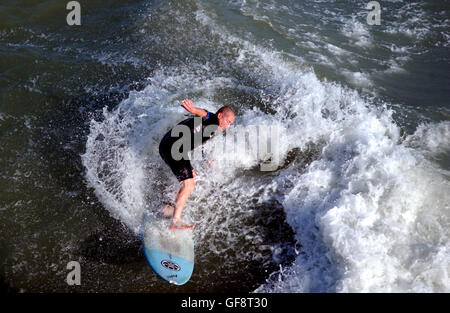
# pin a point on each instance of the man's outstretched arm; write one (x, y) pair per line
(189, 106)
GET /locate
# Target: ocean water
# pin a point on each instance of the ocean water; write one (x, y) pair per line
(359, 201)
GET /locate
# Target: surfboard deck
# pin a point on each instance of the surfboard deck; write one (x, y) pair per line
(169, 253)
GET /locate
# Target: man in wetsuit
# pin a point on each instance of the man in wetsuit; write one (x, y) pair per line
(198, 130)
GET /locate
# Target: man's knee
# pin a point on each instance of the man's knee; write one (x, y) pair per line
(189, 184)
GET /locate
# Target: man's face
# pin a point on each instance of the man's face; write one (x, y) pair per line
(225, 120)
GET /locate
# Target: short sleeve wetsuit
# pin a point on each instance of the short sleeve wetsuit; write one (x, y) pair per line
(183, 168)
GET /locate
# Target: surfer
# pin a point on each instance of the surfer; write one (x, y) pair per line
(182, 168)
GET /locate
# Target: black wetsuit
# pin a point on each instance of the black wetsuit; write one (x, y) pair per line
(204, 128)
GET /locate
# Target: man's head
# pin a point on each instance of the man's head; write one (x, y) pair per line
(225, 116)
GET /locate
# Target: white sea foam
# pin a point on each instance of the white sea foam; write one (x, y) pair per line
(434, 138)
(370, 213)
(357, 33)
(358, 78)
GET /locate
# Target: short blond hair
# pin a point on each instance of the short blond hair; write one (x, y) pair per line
(225, 110)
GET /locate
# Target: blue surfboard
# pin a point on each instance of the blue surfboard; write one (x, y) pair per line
(170, 253)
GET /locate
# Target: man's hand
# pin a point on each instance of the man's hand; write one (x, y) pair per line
(188, 105)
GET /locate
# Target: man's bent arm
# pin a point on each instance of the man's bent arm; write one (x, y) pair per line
(200, 112)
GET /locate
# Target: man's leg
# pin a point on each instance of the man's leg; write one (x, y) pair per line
(187, 187)
(169, 209)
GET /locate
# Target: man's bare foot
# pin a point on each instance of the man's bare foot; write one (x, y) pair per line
(167, 211)
(179, 225)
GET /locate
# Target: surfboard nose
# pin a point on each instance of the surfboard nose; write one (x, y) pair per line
(173, 269)
(170, 254)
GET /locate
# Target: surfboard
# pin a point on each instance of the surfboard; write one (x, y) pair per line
(169, 253)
